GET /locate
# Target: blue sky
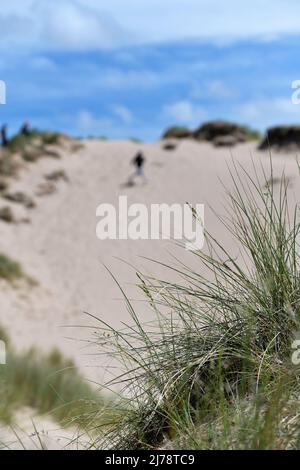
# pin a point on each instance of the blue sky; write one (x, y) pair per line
(131, 68)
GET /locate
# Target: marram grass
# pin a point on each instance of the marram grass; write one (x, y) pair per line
(10, 270)
(214, 369)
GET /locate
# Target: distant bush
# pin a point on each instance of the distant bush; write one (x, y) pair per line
(32, 145)
(8, 166)
(177, 132)
(31, 156)
(50, 138)
(212, 130)
(35, 138)
(10, 270)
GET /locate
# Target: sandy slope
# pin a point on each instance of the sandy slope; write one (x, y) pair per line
(40, 433)
(59, 247)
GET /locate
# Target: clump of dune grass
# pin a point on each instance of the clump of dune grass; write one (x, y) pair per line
(177, 132)
(30, 147)
(49, 384)
(35, 138)
(269, 419)
(8, 165)
(10, 270)
(214, 361)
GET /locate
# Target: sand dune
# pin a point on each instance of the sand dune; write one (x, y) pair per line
(60, 250)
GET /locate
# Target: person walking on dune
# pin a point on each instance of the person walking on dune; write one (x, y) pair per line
(139, 163)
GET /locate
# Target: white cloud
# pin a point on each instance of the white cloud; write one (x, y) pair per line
(90, 24)
(156, 20)
(42, 63)
(219, 89)
(213, 89)
(185, 112)
(67, 24)
(262, 113)
(123, 113)
(74, 26)
(2, 92)
(88, 124)
(133, 79)
(16, 30)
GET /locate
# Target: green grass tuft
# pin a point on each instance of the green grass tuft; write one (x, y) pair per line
(8, 166)
(10, 270)
(31, 147)
(215, 366)
(35, 138)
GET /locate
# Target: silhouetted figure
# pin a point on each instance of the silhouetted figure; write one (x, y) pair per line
(139, 162)
(4, 139)
(25, 129)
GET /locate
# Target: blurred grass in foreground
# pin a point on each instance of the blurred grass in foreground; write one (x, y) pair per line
(49, 384)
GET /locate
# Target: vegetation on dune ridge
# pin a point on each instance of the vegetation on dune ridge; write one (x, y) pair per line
(177, 132)
(215, 369)
(34, 145)
(34, 137)
(211, 130)
(49, 384)
(30, 147)
(8, 166)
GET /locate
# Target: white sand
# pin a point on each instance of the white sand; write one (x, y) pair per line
(31, 432)
(60, 250)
